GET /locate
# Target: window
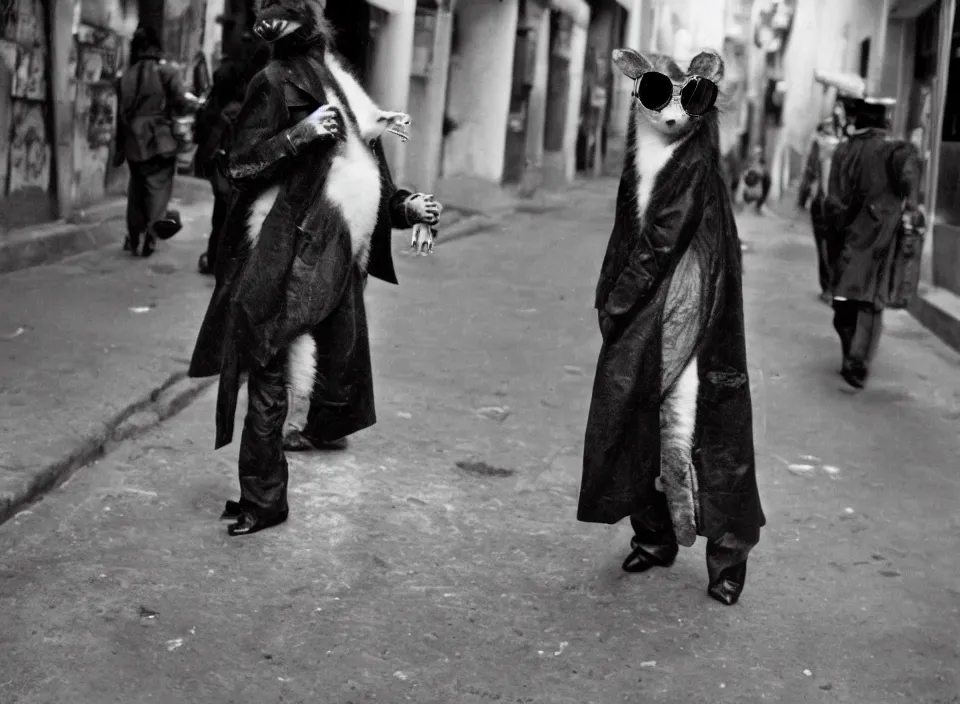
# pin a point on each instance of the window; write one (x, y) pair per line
(951, 106)
(864, 57)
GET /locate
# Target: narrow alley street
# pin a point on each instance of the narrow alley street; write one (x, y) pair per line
(438, 559)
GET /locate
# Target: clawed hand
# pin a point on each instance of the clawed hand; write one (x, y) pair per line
(423, 207)
(325, 121)
(422, 240)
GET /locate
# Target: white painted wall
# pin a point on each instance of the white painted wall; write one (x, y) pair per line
(212, 33)
(479, 93)
(578, 54)
(428, 99)
(390, 74)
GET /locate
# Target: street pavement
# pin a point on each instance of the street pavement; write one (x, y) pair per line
(438, 560)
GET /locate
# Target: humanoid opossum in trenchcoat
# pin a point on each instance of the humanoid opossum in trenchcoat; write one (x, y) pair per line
(311, 218)
(669, 438)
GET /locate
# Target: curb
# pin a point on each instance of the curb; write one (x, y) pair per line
(93, 227)
(160, 404)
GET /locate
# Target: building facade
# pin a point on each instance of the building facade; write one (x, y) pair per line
(58, 60)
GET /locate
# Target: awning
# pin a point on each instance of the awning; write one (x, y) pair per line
(849, 85)
(391, 6)
(578, 10)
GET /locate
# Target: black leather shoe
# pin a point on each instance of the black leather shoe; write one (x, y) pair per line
(231, 511)
(727, 570)
(296, 441)
(249, 523)
(169, 225)
(645, 556)
(729, 584)
(855, 374)
(204, 266)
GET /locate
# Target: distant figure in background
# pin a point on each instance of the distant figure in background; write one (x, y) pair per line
(756, 180)
(873, 187)
(150, 95)
(814, 183)
(214, 130)
(732, 163)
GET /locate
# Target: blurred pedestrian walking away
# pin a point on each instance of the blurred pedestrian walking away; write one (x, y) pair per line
(151, 95)
(756, 181)
(814, 183)
(873, 185)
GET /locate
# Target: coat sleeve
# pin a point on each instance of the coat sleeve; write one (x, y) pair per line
(661, 241)
(397, 198)
(177, 98)
(260, 144)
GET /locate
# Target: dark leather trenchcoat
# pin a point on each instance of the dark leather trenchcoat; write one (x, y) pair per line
(302, 266)
(689, 207)
(871, 178)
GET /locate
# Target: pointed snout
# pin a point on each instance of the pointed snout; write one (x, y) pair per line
(271, 30)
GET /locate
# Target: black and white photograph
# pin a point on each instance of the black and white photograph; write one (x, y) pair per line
(471, 351)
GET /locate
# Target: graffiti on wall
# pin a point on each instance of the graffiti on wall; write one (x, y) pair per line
(99, 54)
(24, 104)
(29, 148)
(102, 116)
(30, 80)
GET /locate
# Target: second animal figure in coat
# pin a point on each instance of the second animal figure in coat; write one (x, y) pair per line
(669, 438)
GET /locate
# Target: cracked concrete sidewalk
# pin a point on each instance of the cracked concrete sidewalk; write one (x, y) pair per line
(94, 348)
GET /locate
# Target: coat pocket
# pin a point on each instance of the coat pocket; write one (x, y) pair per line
(309, 283)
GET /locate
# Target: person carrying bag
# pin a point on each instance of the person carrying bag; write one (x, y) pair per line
(150, 95)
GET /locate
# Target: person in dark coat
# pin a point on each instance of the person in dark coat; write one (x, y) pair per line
(150, 94)
(757, 181)
(814, 183)
(214, 127)
(873, 182)
(669, 438)
(310, 219)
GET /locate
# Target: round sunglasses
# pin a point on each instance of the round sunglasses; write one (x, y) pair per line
(655, 92)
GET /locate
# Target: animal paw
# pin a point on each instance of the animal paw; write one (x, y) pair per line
(422, 239)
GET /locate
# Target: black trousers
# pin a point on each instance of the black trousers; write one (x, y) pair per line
(654, 527)
(822, 238)
(148, 195)
(859, 325)
(262, 464)
(221, 204)
(342, 403)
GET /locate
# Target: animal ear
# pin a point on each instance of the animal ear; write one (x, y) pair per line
(707, 64)
(631, 63)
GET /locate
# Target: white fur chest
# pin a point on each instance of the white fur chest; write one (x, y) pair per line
(651, 155)
(353, 183)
